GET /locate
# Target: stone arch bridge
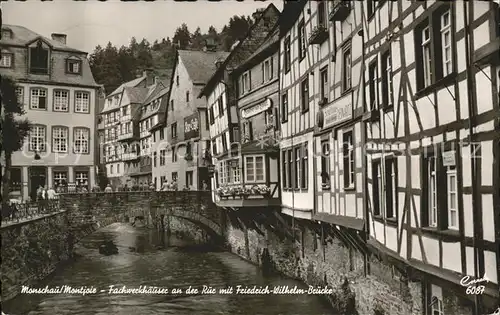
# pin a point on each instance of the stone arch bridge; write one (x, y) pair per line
(88, 212)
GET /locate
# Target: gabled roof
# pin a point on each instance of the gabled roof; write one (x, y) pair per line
(136, 95)
(21, 36)
(158, 93)
(271, 41)
(132, 83)
(213, 79)
(200, 65)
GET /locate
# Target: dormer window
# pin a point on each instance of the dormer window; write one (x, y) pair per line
(74, 66)
(6, 34)
(39, 59)
(6, 60)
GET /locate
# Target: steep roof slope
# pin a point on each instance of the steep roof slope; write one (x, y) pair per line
(200, 65)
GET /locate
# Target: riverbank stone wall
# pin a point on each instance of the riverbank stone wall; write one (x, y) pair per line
(32, 250)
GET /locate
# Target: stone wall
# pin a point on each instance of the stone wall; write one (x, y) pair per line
(331, 263)
(32, 250)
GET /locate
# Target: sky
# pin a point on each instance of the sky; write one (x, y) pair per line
(91, 23)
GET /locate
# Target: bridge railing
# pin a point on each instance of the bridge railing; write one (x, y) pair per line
(16, 212)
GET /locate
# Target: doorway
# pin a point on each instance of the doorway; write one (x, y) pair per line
(38, 177)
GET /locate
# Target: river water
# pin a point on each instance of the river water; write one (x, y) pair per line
(142, 260)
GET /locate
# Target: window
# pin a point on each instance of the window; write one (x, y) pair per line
(246, 82)
(221, 106)
(162, 180)
(61, 101)
(111, 169)
(6, 60)
(82, 102)
(284, 107)
(385, 190)
(436, 300)
(433, 44)
(235, 171)
(163, 154)
(267, 70)
(174, 176)
(162, 134)
(38, 99)
(37, 138)
(189, 179)
(224, 172)
(290, 169)
(304, 168)
(74, 66)
(39, 59)
(6, 34)
(441, 192)
(187, 96)
(177, 80)
(321, 14)
(302, 40)
(386, 80)
(236, 134)
(298, 159)
(446, 43)
(369, 9)
(173, 129)
(348, 151)
(20, 95)
(174, 154)
(346, 69)
(373, 77)
(287, 56)
(59, 139)
(451, 178)
(155, 157)
(325, 164)
(304, 95)
(426, 53)
(224, 142)
(212, 115)
(81, 142)
(172, 105)
(254, 169)
(82, 178)
(247, 131)
(324, 84)
(284, 169)
(214, 148)
(60, 178)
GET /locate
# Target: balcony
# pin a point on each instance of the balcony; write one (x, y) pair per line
(248, 195)
(130, 156)
(340, 11)
(318, 36)
(126, 136)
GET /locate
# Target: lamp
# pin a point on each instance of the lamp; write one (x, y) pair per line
(37, 156)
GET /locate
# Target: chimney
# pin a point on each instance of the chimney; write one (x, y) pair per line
(59, 38)
(148, 73)
(210, 45)
(157, 80)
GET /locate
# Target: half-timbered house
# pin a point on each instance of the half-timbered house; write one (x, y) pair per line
(432, 118)
(222, 93)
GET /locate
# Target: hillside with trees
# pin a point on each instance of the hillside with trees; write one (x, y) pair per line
(111, 66)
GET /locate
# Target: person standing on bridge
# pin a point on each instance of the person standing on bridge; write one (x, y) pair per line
(108, 189)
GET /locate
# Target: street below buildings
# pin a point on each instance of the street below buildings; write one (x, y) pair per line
(141, 261)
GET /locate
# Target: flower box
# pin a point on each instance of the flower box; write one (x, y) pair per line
(340, 11)
(318, 35)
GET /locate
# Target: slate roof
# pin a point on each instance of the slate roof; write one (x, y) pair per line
(132, 83)
(159, 92)
(136, 95)
(273, 38)
(200, 65)
(22, 36)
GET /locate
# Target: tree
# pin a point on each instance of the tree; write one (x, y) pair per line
(14, 130)
(197, 39)
(182, 37)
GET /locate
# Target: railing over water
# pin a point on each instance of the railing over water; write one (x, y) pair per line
(17, 212)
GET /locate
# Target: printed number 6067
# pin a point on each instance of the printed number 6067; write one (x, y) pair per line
(475, 289)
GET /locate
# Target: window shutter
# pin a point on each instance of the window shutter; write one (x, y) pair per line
(345, 153)
(388, 188)
(263, 72)
(275, 118)
(249, 80)
(271, 68)
(250, 133)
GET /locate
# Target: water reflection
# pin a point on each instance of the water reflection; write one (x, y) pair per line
(147, 258)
